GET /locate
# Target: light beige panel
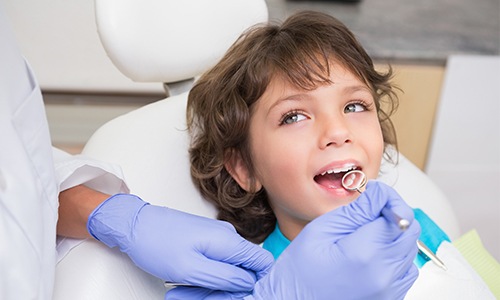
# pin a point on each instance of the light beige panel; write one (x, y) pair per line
(421, 88)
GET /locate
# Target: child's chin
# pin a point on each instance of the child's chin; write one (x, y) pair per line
(337, 205)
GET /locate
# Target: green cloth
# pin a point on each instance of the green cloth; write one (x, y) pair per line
(472, 249)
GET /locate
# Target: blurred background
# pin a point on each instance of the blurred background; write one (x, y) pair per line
(436, 48)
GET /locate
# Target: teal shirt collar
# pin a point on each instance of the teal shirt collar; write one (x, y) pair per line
(276, 242)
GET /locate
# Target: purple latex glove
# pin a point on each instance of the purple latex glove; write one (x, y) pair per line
(179, 247)
(350, 253)
(183, 293)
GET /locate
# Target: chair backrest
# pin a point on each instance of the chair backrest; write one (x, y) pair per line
(164, 41)
(170, 41)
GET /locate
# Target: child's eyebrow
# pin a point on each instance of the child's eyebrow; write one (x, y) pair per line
(293, 97)
(355, 88)
(298, 97)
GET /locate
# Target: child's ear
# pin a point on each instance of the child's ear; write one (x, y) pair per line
(238, 169)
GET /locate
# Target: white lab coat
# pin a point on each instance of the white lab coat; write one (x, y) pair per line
(29, 185)
(28, 191)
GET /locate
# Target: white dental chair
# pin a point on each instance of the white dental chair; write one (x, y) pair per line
(172, 42)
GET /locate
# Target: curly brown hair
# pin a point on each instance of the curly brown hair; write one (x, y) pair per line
(301, 50)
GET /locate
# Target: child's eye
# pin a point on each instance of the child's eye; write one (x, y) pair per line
(292, 117)
(355, 107)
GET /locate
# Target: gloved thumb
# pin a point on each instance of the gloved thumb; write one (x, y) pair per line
(365, 209)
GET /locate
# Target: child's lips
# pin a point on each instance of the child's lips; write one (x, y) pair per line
(332, 188)
(332, 177)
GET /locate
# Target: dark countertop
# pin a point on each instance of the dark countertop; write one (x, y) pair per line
(422, 31)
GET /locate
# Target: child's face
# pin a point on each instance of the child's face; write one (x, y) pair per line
(297, 135)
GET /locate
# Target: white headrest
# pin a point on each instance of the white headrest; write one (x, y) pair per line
(172, 40)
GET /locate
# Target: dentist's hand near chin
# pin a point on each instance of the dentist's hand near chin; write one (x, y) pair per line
(179, 247)
(349, 253)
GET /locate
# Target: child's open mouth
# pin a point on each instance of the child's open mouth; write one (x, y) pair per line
(332, 178)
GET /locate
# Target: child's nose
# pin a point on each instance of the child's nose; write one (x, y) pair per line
(334, 133)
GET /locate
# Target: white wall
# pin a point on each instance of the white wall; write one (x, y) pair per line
(464, 158)
(60, 40)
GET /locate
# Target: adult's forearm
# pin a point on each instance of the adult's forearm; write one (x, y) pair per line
(75, 206)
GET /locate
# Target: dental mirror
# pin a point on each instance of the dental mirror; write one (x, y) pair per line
(354, 180)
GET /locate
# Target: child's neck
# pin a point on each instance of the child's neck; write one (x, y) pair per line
(291, 229)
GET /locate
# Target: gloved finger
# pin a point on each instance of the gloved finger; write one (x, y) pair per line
(366, 208)
(233, 264)
(222, 243)
(407, 240)
(239, 252)
(401, 286)
(370, 249)
(366, 243)
(381, 243)
(379, 195)
(215, 254)
(403, 250)
(183, 293)
(409, 265)
(216, 275)
(396, 205)
(408, 244)
(402, 261)
(379, 240)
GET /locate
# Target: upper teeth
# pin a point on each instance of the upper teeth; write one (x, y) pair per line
(340, 170)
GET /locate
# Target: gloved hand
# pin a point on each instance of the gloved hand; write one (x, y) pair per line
(179, 247)
(349, 253)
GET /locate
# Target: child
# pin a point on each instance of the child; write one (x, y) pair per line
(281, 118)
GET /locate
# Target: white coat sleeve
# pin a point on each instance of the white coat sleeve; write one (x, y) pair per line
(72, 170)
